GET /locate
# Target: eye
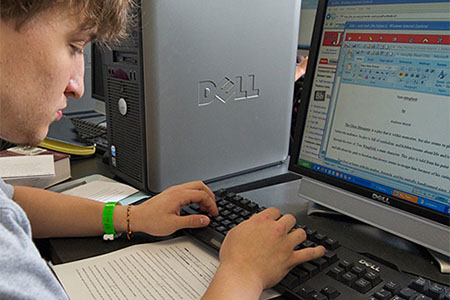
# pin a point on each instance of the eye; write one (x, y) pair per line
(77, 49)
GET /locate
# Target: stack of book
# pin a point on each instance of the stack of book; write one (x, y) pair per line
(34, 167)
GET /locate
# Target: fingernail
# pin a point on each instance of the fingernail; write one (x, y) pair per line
(203, 221)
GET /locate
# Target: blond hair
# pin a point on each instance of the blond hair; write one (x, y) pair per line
(107, 19)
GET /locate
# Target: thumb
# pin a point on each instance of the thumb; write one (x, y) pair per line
(193, 221)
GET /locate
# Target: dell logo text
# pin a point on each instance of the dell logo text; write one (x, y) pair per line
(242, 88)
(381, 198)
(369, 265)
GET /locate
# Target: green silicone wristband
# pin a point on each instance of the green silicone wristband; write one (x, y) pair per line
(108, 217)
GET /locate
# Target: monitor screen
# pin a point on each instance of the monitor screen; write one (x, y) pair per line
(375, 118)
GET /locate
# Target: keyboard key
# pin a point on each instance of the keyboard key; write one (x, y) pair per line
(319, 238)
(230, 206)
(435, 291)
(383, 294)
(330, 256)
(218, 219)
(310, 232)
(346, 265)
(222, 203)
(302, 227)
(244, 202)
(220, 192)
(420, 285)
(226, 223)
(362, 285)
(301, 274)
(358, 271)
(290, 281)
(252, 206)
(306, 292)
(348, 278)
(225, 212)
(392, 287)
(195, 206)
(373, 277)
(336, 272)
(246, 214)
(422, 297)
(239, 220)
(232, 217)
(317, 296)
(330, 292)
(407, 293)
(229, 195)
(260, 209)
(307, 244)
(237, 210)
(221, 229)
(331, 244)
(310, 268)
(321, 263)
(236, 199)
(397, 298)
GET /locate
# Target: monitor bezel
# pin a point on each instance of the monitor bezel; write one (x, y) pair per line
(300, 126)
(94, 83)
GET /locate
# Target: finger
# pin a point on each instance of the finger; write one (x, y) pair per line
(296, 237)
(192, 221)
(196, 185)
(273, 212)
(307, 254)
(186, 196)
(288, 220)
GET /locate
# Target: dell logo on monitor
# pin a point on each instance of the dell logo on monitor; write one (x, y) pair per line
(381, 198)
(242, 88)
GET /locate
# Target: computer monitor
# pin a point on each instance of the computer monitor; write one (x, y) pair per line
(97, 78)
(373, 133)
(307, 17)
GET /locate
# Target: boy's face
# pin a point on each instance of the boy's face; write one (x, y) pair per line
(40, 66)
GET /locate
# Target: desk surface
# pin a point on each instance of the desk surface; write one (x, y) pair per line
(355, 235)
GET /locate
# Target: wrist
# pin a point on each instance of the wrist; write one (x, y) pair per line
(120, 218)
(232, 277)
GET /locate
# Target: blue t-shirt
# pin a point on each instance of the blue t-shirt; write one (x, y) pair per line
(23, 273)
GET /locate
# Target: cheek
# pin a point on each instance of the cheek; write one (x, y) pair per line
(52, 84)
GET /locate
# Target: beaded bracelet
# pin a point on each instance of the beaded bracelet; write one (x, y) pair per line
(129, 232)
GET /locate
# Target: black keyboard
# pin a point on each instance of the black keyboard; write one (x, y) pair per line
(91, 133)
(340, 274)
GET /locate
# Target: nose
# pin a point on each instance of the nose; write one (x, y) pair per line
(75, 86)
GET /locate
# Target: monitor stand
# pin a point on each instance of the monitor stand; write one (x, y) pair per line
(317, 209)
(442, 260)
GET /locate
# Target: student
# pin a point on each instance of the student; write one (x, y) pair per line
(41, 64)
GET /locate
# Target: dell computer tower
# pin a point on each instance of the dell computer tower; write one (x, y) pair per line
(201, 89)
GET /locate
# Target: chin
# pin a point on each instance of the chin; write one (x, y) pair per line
(36, 137)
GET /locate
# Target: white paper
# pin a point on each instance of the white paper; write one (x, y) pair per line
(26, 150)
(175, 269)
(102, 191)
(27, 166)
